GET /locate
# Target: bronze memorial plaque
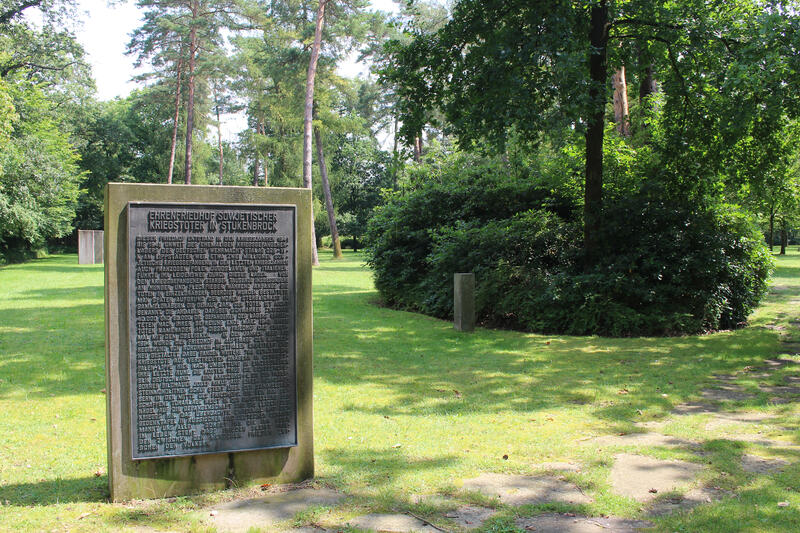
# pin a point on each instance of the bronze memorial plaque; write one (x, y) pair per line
(212, 328)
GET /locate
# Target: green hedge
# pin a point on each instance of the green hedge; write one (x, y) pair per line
(662, 268)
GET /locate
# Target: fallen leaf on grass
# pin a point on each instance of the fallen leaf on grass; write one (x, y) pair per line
(783, 504)
(84, 515)
(458, 394)
(505, 457)
(622, 391)
(397, 445)
(99, 472)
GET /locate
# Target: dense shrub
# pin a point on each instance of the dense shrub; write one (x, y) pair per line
(470, 192)
(662, 268)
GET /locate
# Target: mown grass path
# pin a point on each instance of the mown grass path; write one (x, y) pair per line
(406, 406)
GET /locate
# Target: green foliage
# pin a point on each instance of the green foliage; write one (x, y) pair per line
(465, 193)
(39, 177)
(663, 267)
(359, 171)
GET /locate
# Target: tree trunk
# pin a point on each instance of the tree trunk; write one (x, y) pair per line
(598, 73)
(621, 119)
(355, 244)
(308, 115)
(395, 166)
(771, 230)
(266, 156)
(255, 171)
(190, 102)
(418, 148)
(256, 161)
(394, 136)
(175, 120)
(326, 189)
(647, 85)
(784, 237)
(219, 135)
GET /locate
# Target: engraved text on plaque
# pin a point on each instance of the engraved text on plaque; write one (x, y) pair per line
(212, 328)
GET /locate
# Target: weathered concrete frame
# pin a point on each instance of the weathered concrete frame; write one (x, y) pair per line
(159, 478)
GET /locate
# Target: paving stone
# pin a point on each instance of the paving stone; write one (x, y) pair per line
(241, 515)
(691, 499)
(720, 420)
(762, 440)
(565, 523)
(400, 523)
(558, 466)
(761, 465)
(432, 499)
(696, 408)
(780, 362)
(641, 439)
(726, 393)
(636, 476)
(523, 490)
(653, 424)
(780, 400)
(470, 517)
(780, 390)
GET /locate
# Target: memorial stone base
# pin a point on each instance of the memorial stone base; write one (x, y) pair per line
(208, 338)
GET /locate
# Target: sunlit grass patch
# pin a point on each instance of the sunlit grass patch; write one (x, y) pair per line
(404, 406)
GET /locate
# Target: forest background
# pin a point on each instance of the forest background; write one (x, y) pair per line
(618, 164)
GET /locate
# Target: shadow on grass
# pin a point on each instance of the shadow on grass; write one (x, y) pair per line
(53, 350)
(90, 292)
(57, 264)
(377, 468)
(48, 492)
(418, 359)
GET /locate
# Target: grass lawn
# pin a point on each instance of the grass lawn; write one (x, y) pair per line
(404, 405)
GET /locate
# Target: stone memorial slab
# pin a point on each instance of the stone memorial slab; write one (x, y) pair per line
(208, 337)
(464, 301)
(90, 247)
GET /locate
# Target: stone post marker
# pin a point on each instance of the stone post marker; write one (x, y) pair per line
(464, 301)
(208, 338)
(90, 247)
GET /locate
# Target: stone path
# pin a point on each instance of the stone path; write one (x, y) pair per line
(567, 523)
(693, 498)
(644, 478)
(526, 490)
(662, 486)
(392, 522)
(262, 512)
